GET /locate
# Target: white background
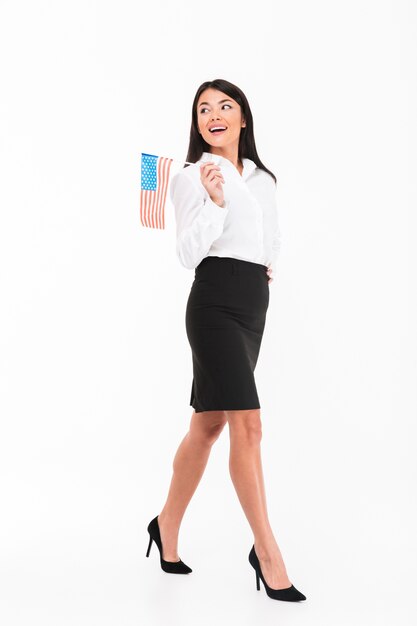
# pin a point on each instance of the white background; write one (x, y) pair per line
(95, 365)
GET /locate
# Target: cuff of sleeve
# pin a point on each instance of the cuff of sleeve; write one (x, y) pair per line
(215, 211)
(273, 267)
(274, 264)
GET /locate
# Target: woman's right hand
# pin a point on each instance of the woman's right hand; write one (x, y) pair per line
(212, 180)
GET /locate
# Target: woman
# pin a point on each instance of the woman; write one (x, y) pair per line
(227, 230)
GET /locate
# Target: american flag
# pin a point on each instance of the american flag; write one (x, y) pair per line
(153, 189)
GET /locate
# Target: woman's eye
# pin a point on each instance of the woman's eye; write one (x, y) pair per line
(205, 108)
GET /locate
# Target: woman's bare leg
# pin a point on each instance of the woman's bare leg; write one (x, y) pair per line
(189, 464)
(245, 467)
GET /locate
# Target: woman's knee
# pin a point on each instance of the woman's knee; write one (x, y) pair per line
(206, 426)
(246, 424)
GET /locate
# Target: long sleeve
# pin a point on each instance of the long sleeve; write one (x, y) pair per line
(199, 220)
(276, 240)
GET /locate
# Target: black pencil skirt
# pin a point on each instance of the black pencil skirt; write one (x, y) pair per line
(225, 320)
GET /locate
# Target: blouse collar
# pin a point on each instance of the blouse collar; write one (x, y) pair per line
(248, 165)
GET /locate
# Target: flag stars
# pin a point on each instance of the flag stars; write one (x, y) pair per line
(148, 172)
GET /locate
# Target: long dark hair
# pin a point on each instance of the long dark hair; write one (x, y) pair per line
(247, 147)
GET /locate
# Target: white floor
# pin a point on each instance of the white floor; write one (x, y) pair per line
(86, 566)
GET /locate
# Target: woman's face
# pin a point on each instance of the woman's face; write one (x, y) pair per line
(215, 108)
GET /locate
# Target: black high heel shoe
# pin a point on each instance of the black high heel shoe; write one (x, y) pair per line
(291, 594)
(171, 567)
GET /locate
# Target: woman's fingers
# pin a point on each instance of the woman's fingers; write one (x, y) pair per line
(215, 176)
(210, 171)
(212, 179)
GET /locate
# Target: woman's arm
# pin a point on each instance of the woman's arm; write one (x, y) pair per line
(199, 220)
(276, 237)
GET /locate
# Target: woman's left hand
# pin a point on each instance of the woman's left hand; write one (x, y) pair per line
(269, 272)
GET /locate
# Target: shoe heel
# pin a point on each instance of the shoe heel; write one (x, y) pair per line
(149, 547)
(170, 567)
(289, 594)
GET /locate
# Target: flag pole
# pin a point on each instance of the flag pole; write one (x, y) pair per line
(176, 160)
(181, 161)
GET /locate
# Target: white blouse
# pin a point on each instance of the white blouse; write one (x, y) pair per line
(245, 227)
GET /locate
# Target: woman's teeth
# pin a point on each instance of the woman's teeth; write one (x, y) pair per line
(217, 130)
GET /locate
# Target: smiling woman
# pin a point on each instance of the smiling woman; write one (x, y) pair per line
(227, 231)
(226, 223)
(229, 111)
(215, 128)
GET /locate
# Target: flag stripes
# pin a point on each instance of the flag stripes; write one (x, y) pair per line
(155, 172)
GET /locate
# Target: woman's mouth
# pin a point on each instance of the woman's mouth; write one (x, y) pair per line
(217, 130)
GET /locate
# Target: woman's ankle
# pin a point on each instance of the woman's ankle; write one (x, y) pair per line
(166, 520)
(266, 548)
